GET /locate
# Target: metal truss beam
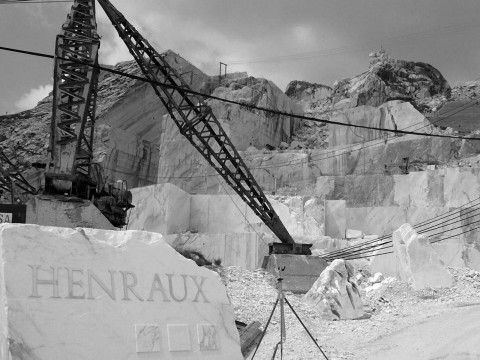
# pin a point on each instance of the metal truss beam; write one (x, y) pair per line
(12, 177)
(74, 97)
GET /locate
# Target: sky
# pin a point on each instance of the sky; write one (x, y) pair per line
(317, 41)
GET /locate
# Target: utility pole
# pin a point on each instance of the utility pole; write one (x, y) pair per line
(220, 74)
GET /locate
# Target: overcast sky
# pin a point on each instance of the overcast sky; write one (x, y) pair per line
(282, 40)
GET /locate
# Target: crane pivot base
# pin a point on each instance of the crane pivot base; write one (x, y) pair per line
(299, 272)
(294, 249)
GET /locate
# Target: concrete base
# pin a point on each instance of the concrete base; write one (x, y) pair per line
(301, 271)
(62, 212)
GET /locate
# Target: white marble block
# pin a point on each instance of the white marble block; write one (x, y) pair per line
(81, 294)
(417, 262)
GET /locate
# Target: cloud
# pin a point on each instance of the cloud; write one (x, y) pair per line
(304, 35)
(31, 98)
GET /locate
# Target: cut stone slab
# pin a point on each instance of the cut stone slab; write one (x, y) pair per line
(97, 294)
(335, 294)
(335, 218)
(417, 262)
(301, 271)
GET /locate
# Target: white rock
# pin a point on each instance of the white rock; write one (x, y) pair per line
(295, 144)
(373, 287)
(354, 234)
(283, 145)
(417, 262)
(378, 277)
(335, 294)
(97, 294)
(389, 280)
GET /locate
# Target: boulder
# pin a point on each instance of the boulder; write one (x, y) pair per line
(295, 145)
(417, 262)
(379, 287)
(376, 278)
(283, 145)
(335, 294)
(100, 294)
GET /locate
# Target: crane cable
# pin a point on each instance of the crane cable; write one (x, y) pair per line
(244, 105)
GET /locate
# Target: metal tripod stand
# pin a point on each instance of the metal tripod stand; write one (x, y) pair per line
(283, 333)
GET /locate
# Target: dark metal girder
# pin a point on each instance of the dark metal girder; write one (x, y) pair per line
(74, 95)
(13, 175)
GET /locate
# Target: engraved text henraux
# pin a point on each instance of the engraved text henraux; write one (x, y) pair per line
(77, 283)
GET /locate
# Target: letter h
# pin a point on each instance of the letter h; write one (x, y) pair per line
(36, 281)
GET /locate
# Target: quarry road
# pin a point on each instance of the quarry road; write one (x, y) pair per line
(451, 335)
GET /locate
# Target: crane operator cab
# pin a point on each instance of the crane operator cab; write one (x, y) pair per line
(115, 202)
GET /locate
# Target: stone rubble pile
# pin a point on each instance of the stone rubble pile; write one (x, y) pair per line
(392, 306)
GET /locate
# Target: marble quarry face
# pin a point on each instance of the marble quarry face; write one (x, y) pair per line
(391, 115)
(221, 226)
(380, 204)
(96, 294)
(167, 209)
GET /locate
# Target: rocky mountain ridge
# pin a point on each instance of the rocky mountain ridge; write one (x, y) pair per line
(135, 139)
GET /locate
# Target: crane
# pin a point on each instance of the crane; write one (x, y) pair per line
(70, 168)
(197, 122)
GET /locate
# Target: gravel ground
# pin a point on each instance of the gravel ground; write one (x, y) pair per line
(394, 306)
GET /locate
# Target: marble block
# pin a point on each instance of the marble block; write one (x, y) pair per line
(335, 218)
(417, 262)
(162, 208)
(83, 293)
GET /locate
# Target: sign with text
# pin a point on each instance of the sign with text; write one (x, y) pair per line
(110, 295)
(11, 213)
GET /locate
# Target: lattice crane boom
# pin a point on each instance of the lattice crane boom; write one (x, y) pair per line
(199, 125)
(74, 99)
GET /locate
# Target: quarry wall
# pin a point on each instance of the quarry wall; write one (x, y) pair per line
(373, 204)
